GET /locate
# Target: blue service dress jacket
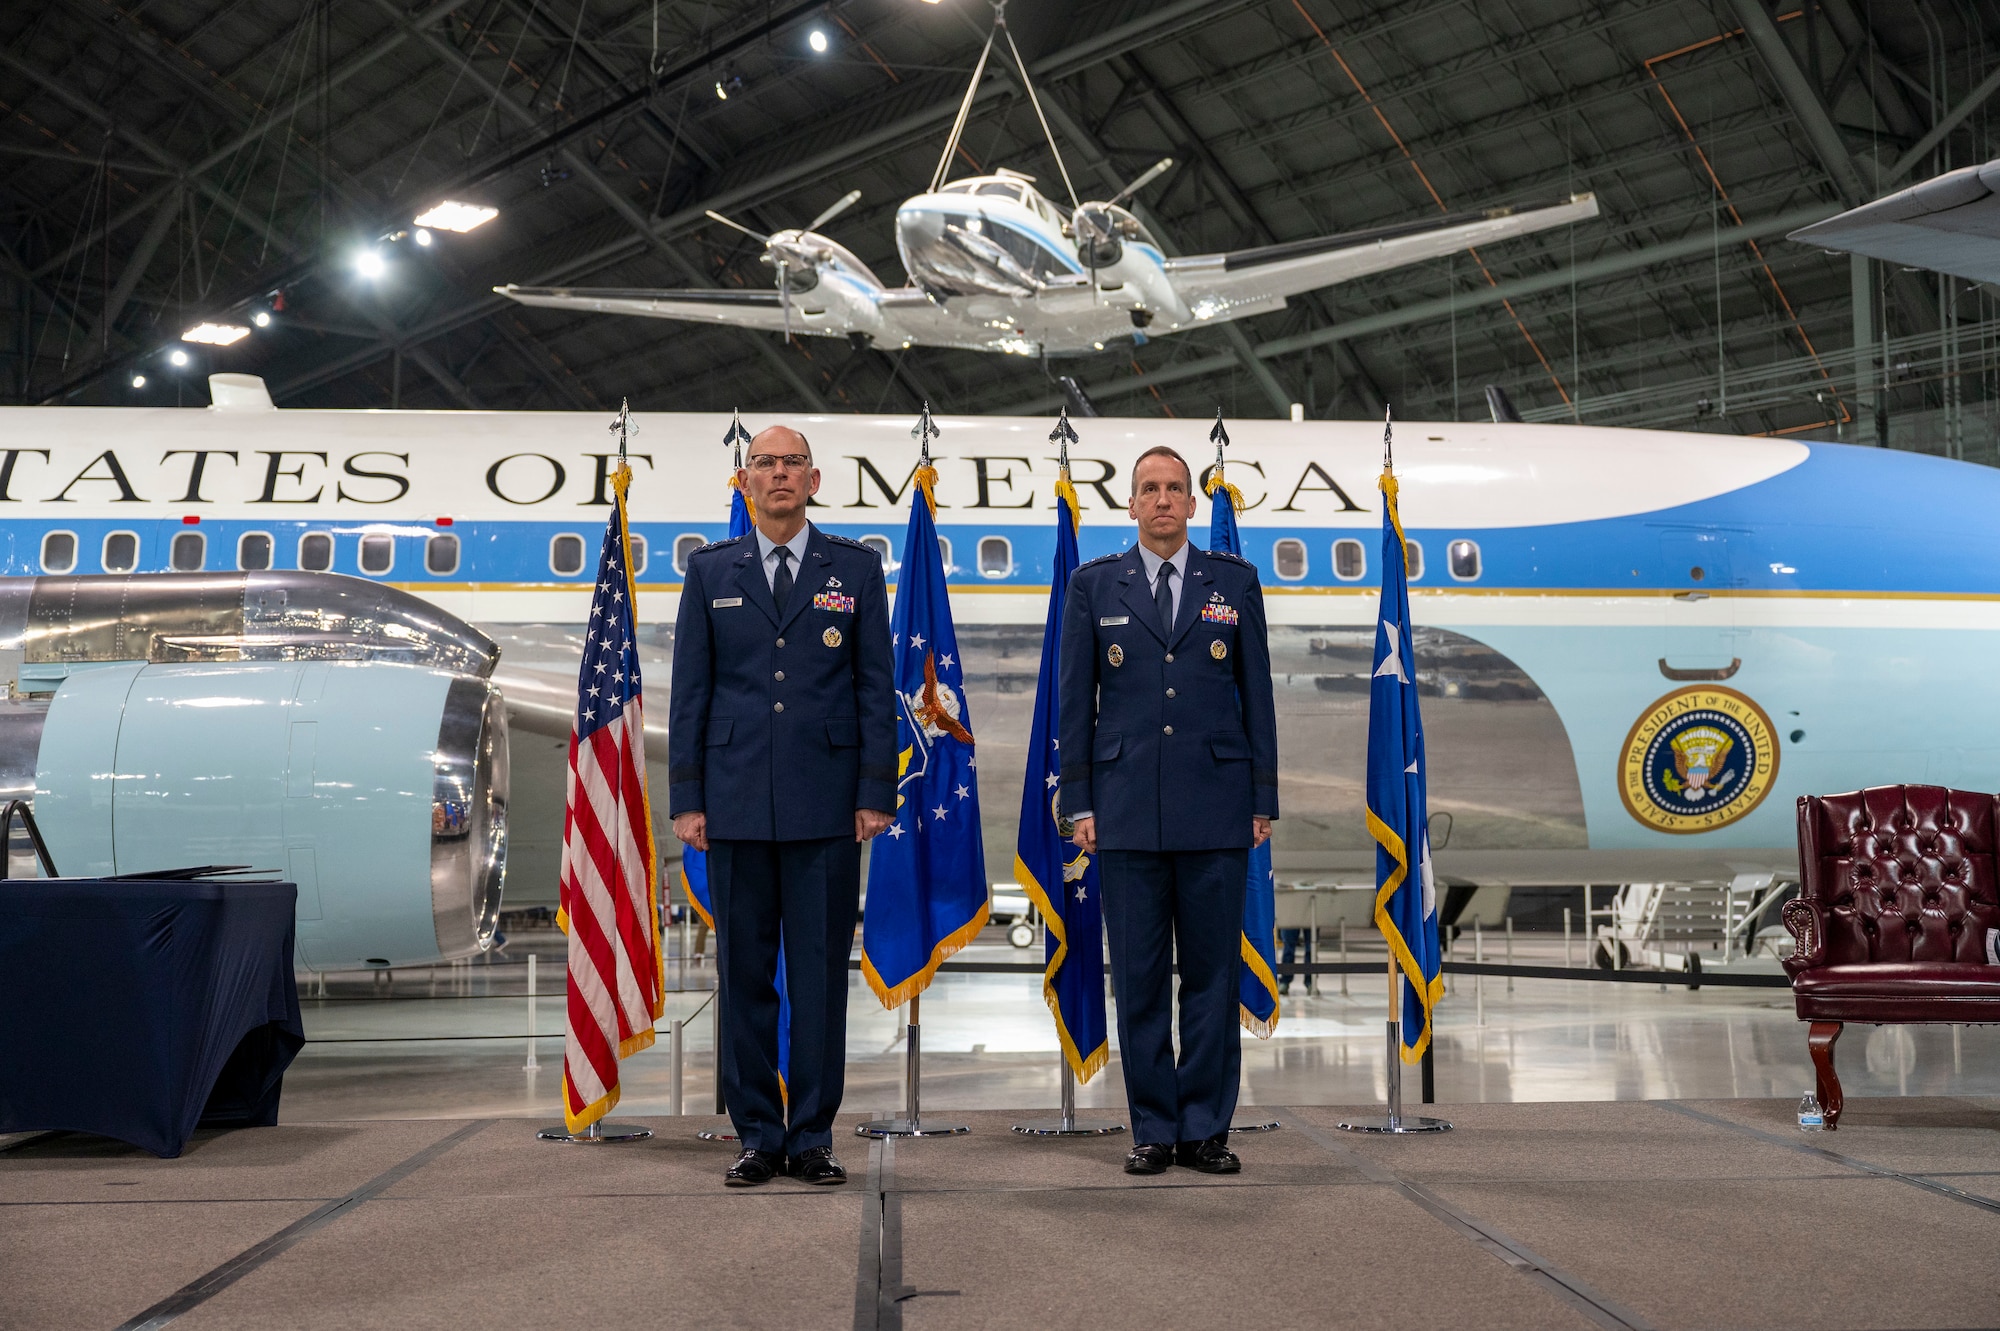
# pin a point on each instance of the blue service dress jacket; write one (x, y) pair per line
(783, 720)
(1170, 740)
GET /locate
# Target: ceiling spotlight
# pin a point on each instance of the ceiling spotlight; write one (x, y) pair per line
(369, 264)
(721, 94)
(461, 217)
(216, 335)
(177, 357)
(138, 381)
(261, 318)
(423, 236)
(817, 40)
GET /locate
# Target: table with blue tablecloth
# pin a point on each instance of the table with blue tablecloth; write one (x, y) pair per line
(142, 1009)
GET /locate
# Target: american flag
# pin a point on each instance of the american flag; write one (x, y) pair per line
(610, 903)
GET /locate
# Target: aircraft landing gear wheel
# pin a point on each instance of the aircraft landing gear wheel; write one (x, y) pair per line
(1694, 971)
(1601, 955)
(1022, 935)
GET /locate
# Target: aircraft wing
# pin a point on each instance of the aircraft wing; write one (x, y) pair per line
(740, 308)
(1948, 225)
(1239, 282)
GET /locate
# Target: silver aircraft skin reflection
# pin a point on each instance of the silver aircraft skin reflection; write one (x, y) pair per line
(325, 729)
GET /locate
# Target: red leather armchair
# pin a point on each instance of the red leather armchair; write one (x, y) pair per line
(1899, 886)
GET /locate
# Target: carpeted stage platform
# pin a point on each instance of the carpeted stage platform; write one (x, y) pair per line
(1661, 1214)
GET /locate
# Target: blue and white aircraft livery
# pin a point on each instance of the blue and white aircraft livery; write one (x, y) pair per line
(1636, 649)
(994, 266)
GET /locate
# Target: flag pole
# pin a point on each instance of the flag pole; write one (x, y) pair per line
(1395, 1122)
(601, 1130)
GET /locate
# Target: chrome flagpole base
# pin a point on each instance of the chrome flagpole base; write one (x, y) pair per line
(602, 1131)
(1252, 1121)
(1066, 1123)
(910, 1127)
(1395, 1125)
(1071, 1126)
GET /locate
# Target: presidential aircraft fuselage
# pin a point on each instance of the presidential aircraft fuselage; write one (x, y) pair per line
(1636, 648)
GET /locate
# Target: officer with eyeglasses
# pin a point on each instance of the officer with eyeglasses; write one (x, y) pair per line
(782, 760)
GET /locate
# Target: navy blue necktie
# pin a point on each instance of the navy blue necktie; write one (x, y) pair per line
(781, 582)
(1163, 599)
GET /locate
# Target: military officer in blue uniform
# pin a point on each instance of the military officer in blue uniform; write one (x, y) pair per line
(782, 761)
(1170, 773)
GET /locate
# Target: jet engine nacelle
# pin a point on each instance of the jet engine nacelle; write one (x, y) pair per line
(380, 789)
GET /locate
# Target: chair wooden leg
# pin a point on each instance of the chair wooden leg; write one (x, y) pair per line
(1820, 1040)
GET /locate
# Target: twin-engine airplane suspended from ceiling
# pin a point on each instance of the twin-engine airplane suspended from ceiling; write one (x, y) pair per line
(994, 266)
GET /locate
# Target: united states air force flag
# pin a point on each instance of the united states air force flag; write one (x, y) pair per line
(927, 891)
(1062, 880)
(1406, 891)
(694, 863)
(1256, 985)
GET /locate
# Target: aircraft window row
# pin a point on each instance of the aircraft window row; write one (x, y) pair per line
(1350, 559)
(187, 552)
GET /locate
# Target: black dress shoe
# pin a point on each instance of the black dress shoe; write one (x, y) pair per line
(816, 1164)
(1210, 1157)
(1149, 1158)
(752, 1168)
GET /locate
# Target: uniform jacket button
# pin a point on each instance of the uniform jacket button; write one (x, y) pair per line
(1170, 658)
(1170, 730)
(777, 707)
(780, 676)
(1170, 693)
(781, 642)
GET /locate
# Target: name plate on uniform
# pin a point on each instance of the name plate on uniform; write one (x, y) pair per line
(1112, 621)
(834, 601)
(725, 602)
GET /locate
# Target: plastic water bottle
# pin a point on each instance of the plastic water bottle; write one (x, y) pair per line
(1810, 1118)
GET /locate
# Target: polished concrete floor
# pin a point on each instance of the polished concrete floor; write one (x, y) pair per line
(452, 1043)
(1661, 1215)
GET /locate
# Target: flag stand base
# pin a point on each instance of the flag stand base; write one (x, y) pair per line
(604, 1130)
(1253, 1122)
(718, 1135)
(913, 1124)
(1067, 1124)
(1396, 1122)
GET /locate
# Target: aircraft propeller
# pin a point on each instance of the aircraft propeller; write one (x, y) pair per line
(1096, 231)
(788, 252)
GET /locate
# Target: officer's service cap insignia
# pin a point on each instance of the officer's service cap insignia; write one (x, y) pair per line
(831, 637)
(1218, 649)
(1115, 654)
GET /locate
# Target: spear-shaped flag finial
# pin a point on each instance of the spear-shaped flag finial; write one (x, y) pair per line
(624, 427)
(1063, 436)
(923, 432)
(1219, 436)
(737, 436)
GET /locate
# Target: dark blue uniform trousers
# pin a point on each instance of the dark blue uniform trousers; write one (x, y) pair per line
(812, 888)
(1154, 901)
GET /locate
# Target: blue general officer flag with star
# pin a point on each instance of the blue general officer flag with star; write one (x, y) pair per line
(694, 863)
(1061, 879)
(1256, 984)
(1398, 800)
(927, 890)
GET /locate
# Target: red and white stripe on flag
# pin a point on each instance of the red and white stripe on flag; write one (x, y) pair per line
(609, 886)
